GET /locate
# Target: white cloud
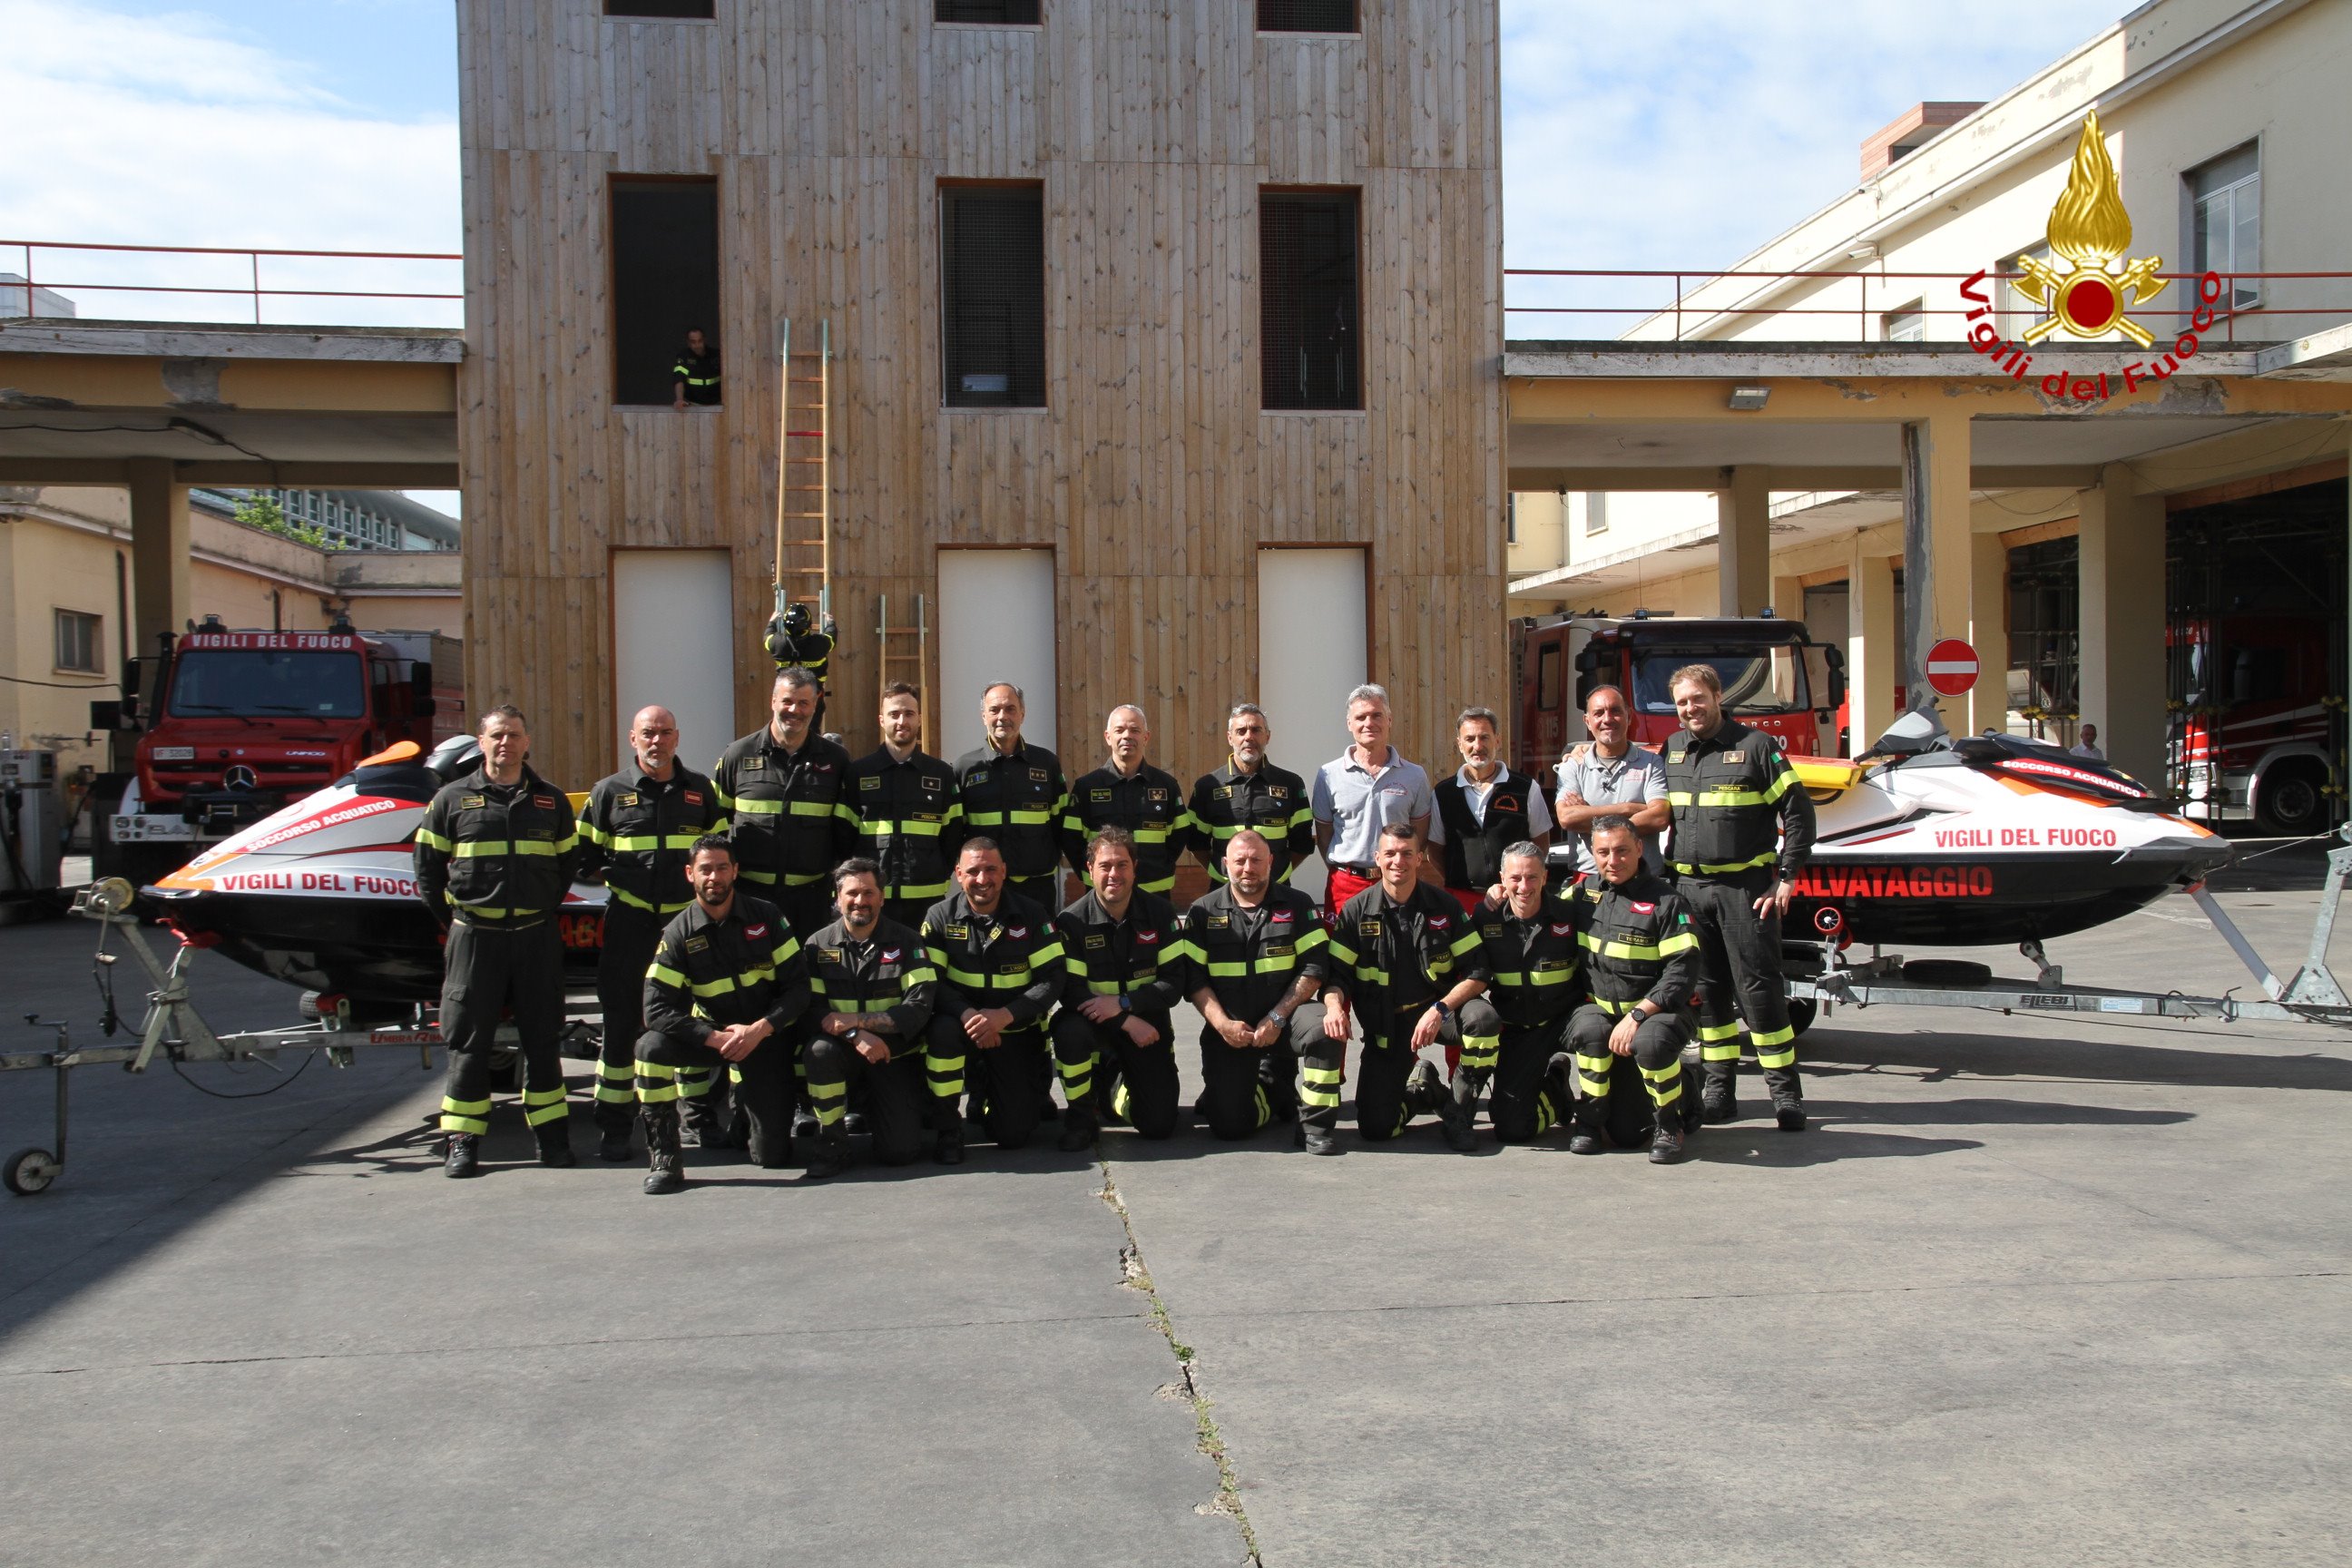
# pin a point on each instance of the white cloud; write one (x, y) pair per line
(165, 131)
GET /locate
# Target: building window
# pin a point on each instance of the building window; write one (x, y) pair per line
(1907, 325)
(992, 295)
(2012, 311)
(665, 248)
(2225, 199)
(1306, 17)
(1003, 13)
(1306, 271)
(1596, 512)
(79, 642)
(677, 10)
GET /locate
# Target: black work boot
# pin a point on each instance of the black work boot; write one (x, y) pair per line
(613, 1134)
(830, 1156)
(1585, 1121)
(1787, 1098)
(1717, 1102)
(950, 1150)
(1317, 1139)
(465, 1155)
(661, 1172)
(1079, 1126)
(1425, 1090)
(1457, 1115)
(555, 1144)
(1666, 1143)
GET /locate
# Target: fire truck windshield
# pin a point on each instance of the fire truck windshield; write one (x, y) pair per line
(1767, 680)
(267, 683)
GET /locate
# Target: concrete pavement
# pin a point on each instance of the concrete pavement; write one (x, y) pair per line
(2028, 1290)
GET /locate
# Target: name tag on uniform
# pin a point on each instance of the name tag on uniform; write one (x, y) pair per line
(1280, 949)
(825, 955)
(1550, 966)
(1223, 791)
(1220, 922)
(697, 944)
(1021, 967)
(1367, 928)
(1098, 796)
(626, 800)
(1093, 942)
(957, 933)
(1036, 775)
(871, 781)
(752, 764)
(1156, 796)
(472, 803)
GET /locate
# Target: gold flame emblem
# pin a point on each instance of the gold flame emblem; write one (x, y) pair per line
(2090, 231)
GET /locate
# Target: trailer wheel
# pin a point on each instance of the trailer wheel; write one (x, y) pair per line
(30, 1171)
(1802, 1012)
(2293, 802)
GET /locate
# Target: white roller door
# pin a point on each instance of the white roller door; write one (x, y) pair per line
(673, 625)
(996, 622)
(1312, 650)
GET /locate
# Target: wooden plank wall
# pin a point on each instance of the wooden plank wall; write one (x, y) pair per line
(1154, 473)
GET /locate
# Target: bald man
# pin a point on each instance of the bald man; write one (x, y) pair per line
(637, 834)
(1129, 792)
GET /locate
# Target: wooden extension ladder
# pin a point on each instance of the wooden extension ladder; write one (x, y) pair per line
(804, 475)
(905, 651)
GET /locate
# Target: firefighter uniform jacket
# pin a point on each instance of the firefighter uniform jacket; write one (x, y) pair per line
(700, 373)
(710, 974)
(1016, 798)
(789, 825)
(1250, 958)
(1272, 800)
(888, 971)
(1393, 959)
(637, 833)
(1535, 966)
(1141, 958)
(1010, 959)
(907, 816)
(1474, 852)
(501, 854)
(1737, 805)
(1150, 805)
(1638, 942)
(812, 650)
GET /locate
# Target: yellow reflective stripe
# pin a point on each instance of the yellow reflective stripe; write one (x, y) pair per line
(666, 975)
(1713, 868)
(432, 840)
(482, 848)
(492, 912)
(1227, 971)
(917, 890)
(477, 848)
(964, 977)
(1681, 941)
(1051, 950)
(812, 809)
(1467, 940)
(633, 902)
(624, 845)
(1157, 884)
(1103, 987)
(887, 827)
(1709, 1033)
(1639, 952)
(759, 807)
(719, 987)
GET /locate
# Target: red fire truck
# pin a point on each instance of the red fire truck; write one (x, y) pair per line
(238, 724)
(1775, 677)
(2253, 732)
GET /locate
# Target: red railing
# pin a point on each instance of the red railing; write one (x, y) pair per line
(1898, 290)
(124, 280)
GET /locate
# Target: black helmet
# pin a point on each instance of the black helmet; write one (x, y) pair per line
(796, 620)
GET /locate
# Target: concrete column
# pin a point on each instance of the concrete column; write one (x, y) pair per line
(1787, 600)
(1989, 632)
(1743, 541)
(162, 596)
(2123, 622)
(1937, 566)
(1873, 657)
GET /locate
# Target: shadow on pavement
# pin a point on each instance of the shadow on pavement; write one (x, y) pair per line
(1829, 1051)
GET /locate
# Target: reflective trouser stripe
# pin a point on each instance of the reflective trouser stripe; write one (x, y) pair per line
(1319, 1087)
(1775, 1047)
(614, 1085)
(1479, 1051)
(1078, 1076)
(656, 1084)
(1547, 1113)
(829, 1100)
(1593, 1074)
(1718, 1042)
(541, 1106)
(946, 1074)
(1265, 1108)
(693, 1083)
(1666, 1083)
(1121, 1106)
(464, 1115)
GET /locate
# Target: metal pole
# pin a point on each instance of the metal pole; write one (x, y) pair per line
(1918, 570)
(255, 256)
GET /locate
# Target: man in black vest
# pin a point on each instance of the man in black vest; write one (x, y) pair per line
(1482, 810)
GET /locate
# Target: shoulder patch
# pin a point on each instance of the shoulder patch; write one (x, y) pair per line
(1563, 928)
(1642, 909)
(544, 802)
(1037, 775)
(1147, 939)
(693, 796)
(757, 932)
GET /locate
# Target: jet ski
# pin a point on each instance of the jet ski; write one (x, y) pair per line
(322, 894)
(1984, 840)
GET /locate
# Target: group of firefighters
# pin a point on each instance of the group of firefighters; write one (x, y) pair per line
(804, 945)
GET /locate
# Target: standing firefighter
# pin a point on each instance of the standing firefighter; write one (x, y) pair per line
(1532, 948)
(727, 984)
(1123, 959)
(1012, 791)
(1642, 953)
(1000, 964)
(1259, 956)
(904, 805)
(783, 786)
(871, 986)
(1743, 827)
(1129, 792)
(636, 832)
(1250, 792)
(494, 860)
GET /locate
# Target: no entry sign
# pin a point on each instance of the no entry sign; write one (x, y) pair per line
(1951, 666)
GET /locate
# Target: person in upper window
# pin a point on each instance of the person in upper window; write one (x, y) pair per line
(694, 378)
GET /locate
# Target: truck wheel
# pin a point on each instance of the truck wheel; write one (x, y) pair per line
(2292, 801)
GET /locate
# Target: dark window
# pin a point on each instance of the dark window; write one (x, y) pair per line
(1307, 266)
(678, 8)
(1547, 681)
(1306, 16)
(77, 641)
(992, 295)
(665, 281)
(1008, 13)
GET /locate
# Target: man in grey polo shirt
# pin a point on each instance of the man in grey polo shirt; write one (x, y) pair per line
(1606, 777)
(1361, 790)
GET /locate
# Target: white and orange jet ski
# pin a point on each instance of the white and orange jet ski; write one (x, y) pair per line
(1986, 840)
(323, 893)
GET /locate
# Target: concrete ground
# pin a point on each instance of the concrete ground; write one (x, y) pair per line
(2027, 1290)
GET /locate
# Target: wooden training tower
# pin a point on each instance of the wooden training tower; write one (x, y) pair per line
(804, 475)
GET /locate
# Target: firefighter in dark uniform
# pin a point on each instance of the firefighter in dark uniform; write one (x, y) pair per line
(1013, 792)
(727, 984)
(635, 832)
(1000, 965)
(902, 803)
(1258, 957)
(494, 858)
(1128, 792)
(1249, 792)
(694, 374)
(794, 643)
(1482, 810)
(782, 787)
(1406, 962)
(1642, 953)
(1123, 962)
(871, 986)
(1536, 964)
(1743, 827)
